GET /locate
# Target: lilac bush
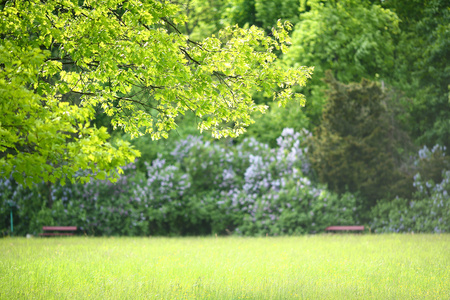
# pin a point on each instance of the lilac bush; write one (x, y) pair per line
(251, 189)
(431, 163)
(100, 207)
(202, 187)
(97, 207)
(429, 208)
(166, 200)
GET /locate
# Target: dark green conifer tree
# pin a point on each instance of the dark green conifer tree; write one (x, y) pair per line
(358, 146)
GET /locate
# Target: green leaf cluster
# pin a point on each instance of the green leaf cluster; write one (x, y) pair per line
(62, 61)
(261, 13)
(354, 39)
(421, 68)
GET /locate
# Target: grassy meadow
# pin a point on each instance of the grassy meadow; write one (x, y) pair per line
(306, 267)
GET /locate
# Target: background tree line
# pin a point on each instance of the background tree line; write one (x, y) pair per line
(377, 107)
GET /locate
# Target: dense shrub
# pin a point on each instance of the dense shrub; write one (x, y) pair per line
(97, 207)
(432, 163)
(428, 211)
(100, 207)
(200, 187)
(429, 208)
(27, 205)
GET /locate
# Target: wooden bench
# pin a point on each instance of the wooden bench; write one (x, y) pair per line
(345, 228)
(58, 230)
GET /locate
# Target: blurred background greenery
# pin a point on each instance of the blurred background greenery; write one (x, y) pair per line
(370, 147)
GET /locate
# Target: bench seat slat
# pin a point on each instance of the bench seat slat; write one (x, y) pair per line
(54, 234)
(60, 228)
(343, 228)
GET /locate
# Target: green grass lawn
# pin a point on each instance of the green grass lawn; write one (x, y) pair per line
(307, 267)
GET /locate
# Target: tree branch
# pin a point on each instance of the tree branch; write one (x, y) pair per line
(188, 55)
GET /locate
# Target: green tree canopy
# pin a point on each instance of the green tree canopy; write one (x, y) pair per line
(261, 13)
(352, 38)
(205, 17)
(61, 63)
(421, 68)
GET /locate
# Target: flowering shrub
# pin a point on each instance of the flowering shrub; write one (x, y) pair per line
(167, 201)
(431, 163)
(251, 189)
(100, 207)
(429, 209)
(200, 187)
(97, 207)
(298, 208)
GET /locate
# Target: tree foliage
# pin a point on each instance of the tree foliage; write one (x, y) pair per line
(352, 38)
(205, 17)
(261, 13)
(62, 62)
(268, 127)
(421, 67)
